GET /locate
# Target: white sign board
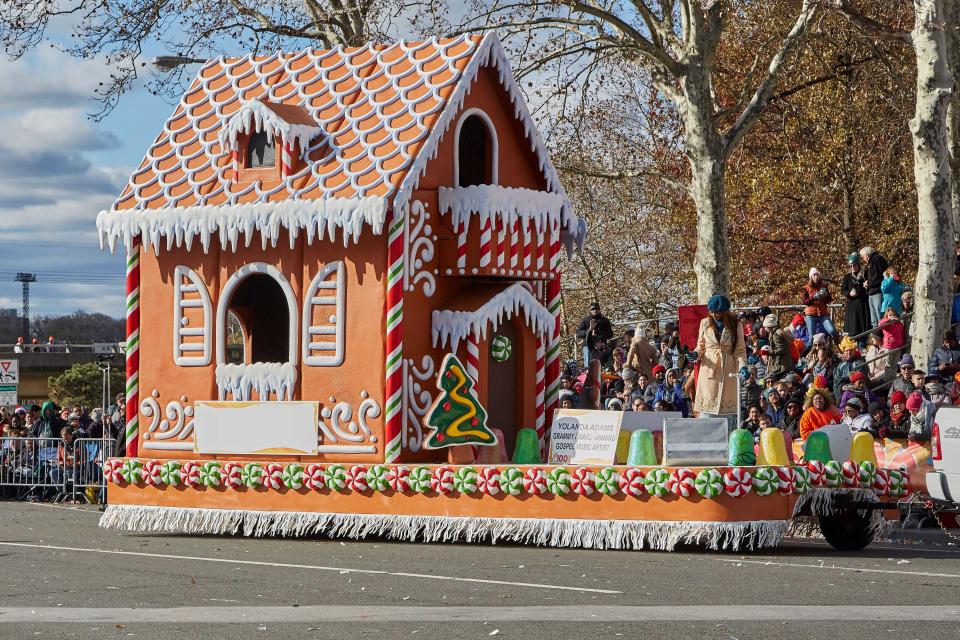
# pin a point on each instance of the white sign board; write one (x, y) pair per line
(649, 420)
(9, 372)
(584, 436)
(8, 394)
(256, 428)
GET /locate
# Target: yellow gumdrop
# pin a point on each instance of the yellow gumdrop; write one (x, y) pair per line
(861, 450)
(773, 447)
(623, 446)
(761, 459)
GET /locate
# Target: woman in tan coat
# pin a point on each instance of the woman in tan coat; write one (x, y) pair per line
(642, 356)
(722, 352)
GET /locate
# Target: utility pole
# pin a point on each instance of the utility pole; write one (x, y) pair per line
(25, 279)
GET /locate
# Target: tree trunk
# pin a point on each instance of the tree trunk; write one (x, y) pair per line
(951, 10)
(931, 166)
(705, 153)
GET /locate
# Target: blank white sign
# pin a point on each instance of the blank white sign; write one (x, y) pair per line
(256, 428)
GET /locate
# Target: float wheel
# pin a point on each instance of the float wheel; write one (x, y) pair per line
(847, 530)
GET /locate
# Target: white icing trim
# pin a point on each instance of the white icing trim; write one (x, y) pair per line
(181, 225)
(454, 326)
(224, 304)
(495, 144)
(254, 116)
(180, 331)
(241, 380)
(504, 204)
(317, 354)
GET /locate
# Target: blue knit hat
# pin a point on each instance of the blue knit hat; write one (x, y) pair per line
(717, 303)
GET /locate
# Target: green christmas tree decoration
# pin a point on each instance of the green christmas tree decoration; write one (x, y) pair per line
(456, 416)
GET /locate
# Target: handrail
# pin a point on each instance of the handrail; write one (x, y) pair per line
(871, 330)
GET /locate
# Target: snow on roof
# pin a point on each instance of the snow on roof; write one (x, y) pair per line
(286, 121)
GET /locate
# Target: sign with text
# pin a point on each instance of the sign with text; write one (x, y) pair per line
(9, 372)
(8, 394)
(584, 436)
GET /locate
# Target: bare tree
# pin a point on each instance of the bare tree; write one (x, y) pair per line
(676, 43)
(118, 30)
(934, 179)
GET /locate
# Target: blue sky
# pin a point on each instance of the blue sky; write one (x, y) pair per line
(58, 169)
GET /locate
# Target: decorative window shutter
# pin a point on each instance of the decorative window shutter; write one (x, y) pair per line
(192, 326)
(324, 316)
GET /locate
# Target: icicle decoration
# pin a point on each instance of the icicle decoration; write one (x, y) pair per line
(241, 380)
(254, 116)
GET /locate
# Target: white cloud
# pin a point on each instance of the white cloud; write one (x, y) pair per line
(49, 77)
(53, 129)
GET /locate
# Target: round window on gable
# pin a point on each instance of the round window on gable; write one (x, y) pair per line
(260, 151)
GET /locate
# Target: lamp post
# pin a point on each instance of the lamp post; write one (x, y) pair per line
(166, 64)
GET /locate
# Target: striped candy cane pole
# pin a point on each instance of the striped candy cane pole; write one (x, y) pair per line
(462, 246)
(541, 250)
(235, 158)
(541, 405)
(394, 420)
(473, 359)
(286, 160)
(514, 246)
(132, 411)
(527, 248)
(486, 245)
(501, 244)
(553, 304)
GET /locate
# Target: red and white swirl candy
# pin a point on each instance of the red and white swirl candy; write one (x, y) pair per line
(111, 470)
(737, 482)
(817, 472)
(313, 477)
(231, 475)
(441, 480)
(488, 481)
(399, 478)
(682, 482)
(631, 482)
(850, 474)
(273, 476)
(582, 481)
(191, 473)
(785, 481)
(357, 478)
(881, 482)
(535, 481)
(151, 472)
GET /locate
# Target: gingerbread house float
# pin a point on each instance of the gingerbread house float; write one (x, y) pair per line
(347, 217)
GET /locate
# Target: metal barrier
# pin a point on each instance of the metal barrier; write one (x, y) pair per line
(86, 470)
(31, 466)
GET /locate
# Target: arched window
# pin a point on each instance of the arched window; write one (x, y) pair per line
(476, 161)
(260, 151)
(262, 301)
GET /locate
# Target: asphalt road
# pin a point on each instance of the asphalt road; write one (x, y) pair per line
(63, 577)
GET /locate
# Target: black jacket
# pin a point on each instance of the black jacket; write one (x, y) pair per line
(875, 268)
(603, 330)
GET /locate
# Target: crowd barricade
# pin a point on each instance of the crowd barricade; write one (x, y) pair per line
(31, 468)
(86, 472)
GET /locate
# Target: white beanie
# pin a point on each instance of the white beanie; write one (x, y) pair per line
(814, 272)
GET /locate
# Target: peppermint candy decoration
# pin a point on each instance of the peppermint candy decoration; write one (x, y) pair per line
(357, 478)
(293, 476)
(252, 475)
(881, 482)
(682, 482)
(535, 481)
(190, 472)
(111, 470)
(465, 480)
(817, 472)
(607, 481)
(314, 477)
(398, 478)
(441, 480)
(420, 479)
(377, 478)
(737, 482)
(488, 481)
(655, 482)
(170, 473)
(850, 474)
(897, 484)
(335, 477)
(151, 473)
(784, 480)
(831, 474)
(559, 481)
(631, 482)
(210, 474)
(867, 473)
(232, 473)
(708, 483)
(801, 480)
(582, 481)
(511, 481)
(273, 476)
(132, 471)
(765, 481)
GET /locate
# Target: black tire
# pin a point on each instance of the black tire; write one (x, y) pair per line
(847, 530)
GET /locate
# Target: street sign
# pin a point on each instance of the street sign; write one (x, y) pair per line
(9, 372)
(8, 394)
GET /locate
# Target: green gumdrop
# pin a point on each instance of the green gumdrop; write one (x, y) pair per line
(817, 448)
(740, 449)
(642, 452)
(527, 448)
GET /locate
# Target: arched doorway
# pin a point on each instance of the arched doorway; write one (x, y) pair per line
(260, 306)
(503, 380)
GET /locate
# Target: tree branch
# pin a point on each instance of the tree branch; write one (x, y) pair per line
(870, 26)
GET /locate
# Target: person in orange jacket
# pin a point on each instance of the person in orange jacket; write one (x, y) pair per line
(819, 411)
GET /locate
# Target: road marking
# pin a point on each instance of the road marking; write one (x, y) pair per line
(836, 568)
(285, 565)
(599, 613)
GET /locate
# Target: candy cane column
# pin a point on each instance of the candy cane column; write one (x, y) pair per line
(553, 304)
(394, 419)
(540, 422)
(132, 412)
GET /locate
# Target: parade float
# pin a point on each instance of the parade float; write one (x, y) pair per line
(343, 294)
